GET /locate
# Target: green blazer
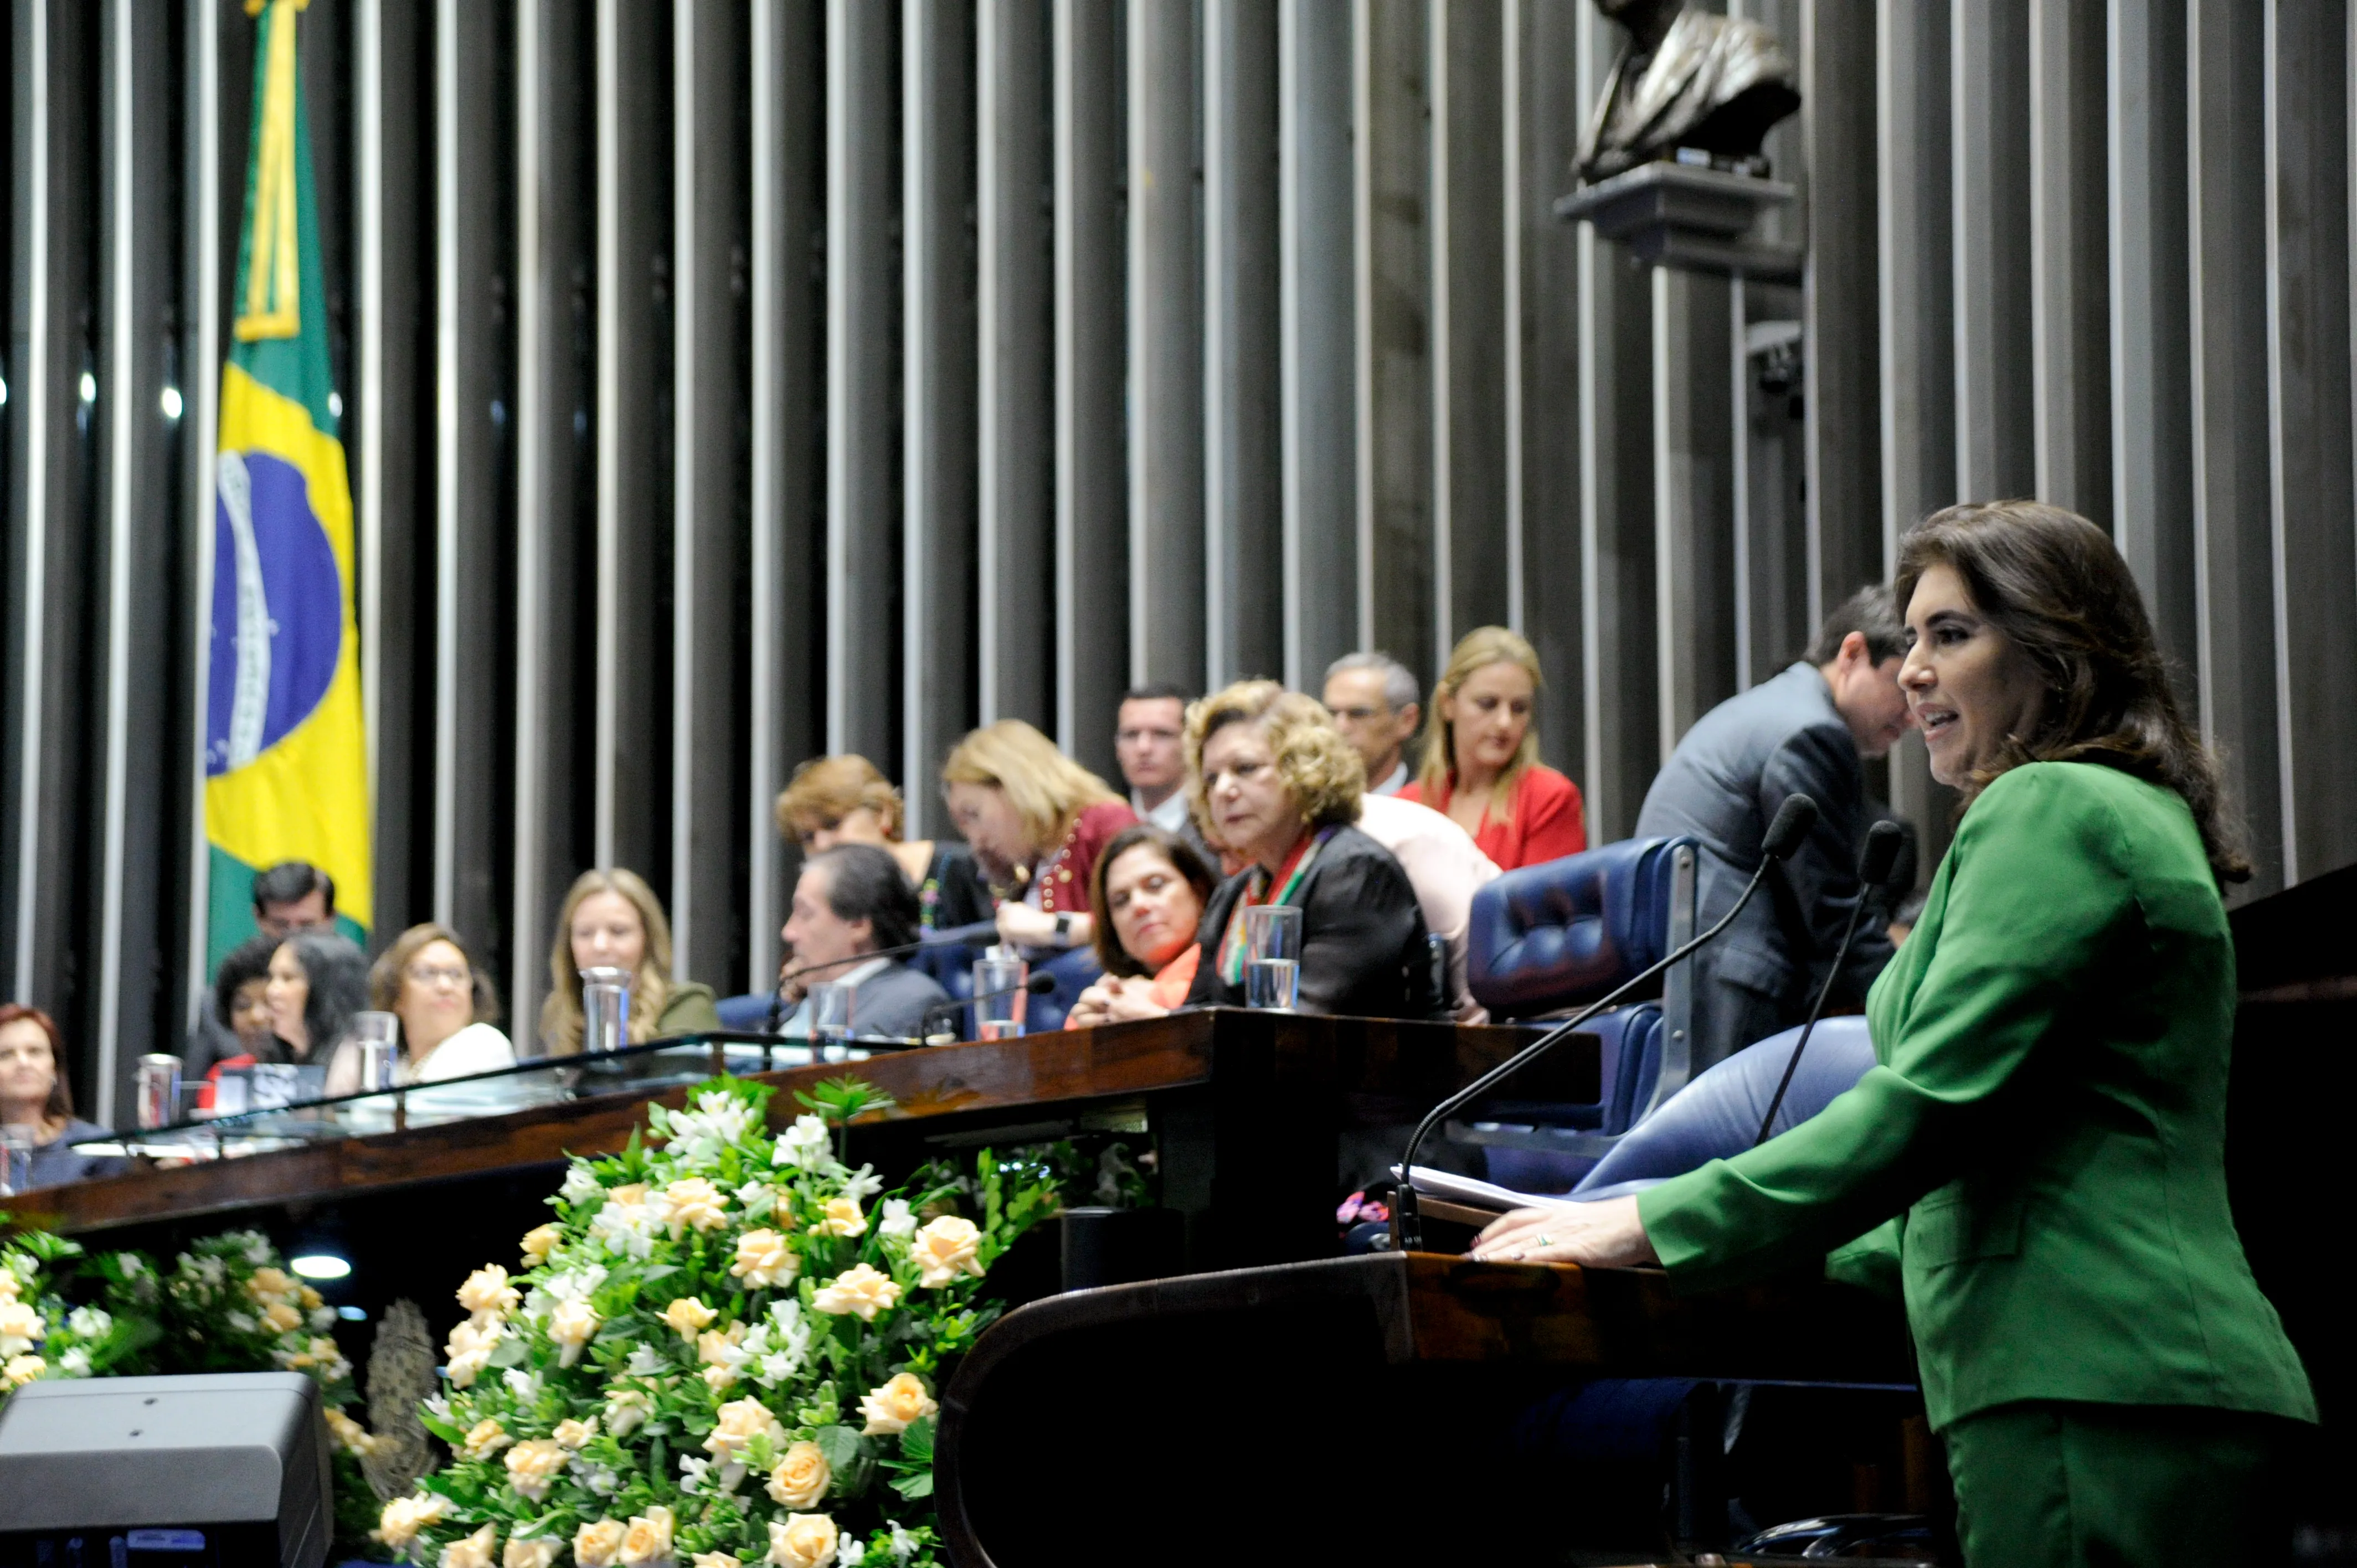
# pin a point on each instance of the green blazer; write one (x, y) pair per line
(2049, 1115)
(689, 1010)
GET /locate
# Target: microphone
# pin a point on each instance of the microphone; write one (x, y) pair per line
(1874, 863)
(1038, 985)
(777, 992)
(1792, 821)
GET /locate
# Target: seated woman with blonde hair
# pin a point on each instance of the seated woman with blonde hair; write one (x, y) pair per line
(1036, 821)
(1481, 766)
(834, 800)
(1280, 786)
(445, 1005)
(1149, 890)
(611, 920)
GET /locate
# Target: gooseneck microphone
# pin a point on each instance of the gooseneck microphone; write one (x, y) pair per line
(1874, 863)
(1792, 821)
(1038, 985)
(777, 992)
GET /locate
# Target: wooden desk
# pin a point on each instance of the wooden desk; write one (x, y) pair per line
(1249, 1110)
(1351, 1409)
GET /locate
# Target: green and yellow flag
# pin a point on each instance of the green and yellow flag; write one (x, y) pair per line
(286, 766)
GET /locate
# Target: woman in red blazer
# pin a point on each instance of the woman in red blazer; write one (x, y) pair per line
(1481, 756)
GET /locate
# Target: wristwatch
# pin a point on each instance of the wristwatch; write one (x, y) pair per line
(1064, 930)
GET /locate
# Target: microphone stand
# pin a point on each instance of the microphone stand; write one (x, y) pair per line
(1874, 863)
(1038, 985)
(1793, 821)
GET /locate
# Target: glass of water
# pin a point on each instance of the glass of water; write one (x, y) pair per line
(1272, 956)
(999, 998)
(829, 1019)
(605, 1008)
(15, 1159)
(377, 1038)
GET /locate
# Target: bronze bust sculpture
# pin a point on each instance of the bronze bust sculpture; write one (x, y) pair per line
(1687, 79)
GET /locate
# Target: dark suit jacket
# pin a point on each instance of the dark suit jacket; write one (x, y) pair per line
(892, 1004)
(1363, 952)
(1723, 786)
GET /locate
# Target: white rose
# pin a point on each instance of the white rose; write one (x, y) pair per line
(626, 1410)
(540, 1553)
(469, 1350)
(891, 1408)
(486, 1293)
(899, 1219)
(571, 1326)
(858, 1292)
(533, 1467)
(764, 1260)
(714, 1560)
(802, 1541)
(944, 1250)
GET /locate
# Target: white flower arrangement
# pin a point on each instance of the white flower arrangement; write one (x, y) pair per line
(716, 1355)
(42, 1335)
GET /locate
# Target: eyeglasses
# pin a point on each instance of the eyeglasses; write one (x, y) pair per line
(436, 974)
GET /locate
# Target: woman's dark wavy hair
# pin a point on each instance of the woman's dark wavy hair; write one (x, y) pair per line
(2055, 585)
(1111, 957)
(339, 974)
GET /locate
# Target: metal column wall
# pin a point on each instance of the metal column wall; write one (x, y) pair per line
(723, 383)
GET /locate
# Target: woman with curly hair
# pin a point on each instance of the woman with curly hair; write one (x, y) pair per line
(1279, 787)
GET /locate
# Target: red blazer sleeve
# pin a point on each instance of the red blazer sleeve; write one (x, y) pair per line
(1090, 836)
(1549, 817)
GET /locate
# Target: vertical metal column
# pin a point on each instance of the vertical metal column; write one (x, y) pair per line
(1092, 585)
(1988, 102)
(787, 613)
(863, 372)
(1622, 741)
(939, 380)
(2309, 414)
(1244, 607)
(1471, 547)
(2069, 313)
(710, 598)
(1543, 116)
(1839, 357)
(1396, 552)
(1694, 499)
(1016, 417)
(1167, 518)
(2151, 367)
(630, 754)
(200, 303)
(470, 442)
(1318, 356)
(2234, 582)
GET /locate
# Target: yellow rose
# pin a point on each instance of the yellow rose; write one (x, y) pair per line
(648, 1540)
(635, 1192)
(714, 1560)
(355, 1439)
(469, 1350)
(486, 1293)
(802, 1477)
(281, 1318)
(688, 1315)
(20, 1325)
(737, 1424)
(402, 1518)
(538, 1243)
(540, 1553)
(693, 1203)
(473, 1551)
(802, 1541)
(571, 1326)
(858, 1292)
(841, 1217)
(533, 1467)
(599, 1543)
(712, 1345)
(11, 1287)
(486, 1438)
(312, 1300)
(23, 1369)
(944, 1250)
(573, 1434)
(892, 1407)
(764, 1260)
(263, 1284)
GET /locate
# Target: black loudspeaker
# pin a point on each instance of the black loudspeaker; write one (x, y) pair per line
(222, 1470)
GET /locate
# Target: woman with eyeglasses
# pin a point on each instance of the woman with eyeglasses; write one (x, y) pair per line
(446, 1005)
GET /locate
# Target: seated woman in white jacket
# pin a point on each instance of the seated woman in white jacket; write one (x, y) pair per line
(445, 1002)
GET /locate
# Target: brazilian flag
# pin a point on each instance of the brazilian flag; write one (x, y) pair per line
(285, 764)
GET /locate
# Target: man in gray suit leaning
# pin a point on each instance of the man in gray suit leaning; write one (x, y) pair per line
(1804, 732)
(849, 902)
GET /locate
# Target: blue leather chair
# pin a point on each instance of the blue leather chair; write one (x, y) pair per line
(1550, 937)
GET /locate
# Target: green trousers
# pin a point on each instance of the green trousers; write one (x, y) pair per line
(2049, 1484)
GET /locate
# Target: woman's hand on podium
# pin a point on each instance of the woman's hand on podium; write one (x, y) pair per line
(1606, 1235)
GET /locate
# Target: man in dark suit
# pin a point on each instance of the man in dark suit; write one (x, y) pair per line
(1804, 732)
(851, 901)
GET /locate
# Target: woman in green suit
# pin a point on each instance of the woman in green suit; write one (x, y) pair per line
(2048, 1119)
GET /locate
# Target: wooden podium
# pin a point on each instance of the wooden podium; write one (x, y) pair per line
(1354, 1410)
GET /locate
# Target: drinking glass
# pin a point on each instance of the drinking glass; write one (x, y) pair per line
(605, 1008)
(158, 1081)
(1272, 956)
(999, 998)
(377, 1038)
(829, 1019)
